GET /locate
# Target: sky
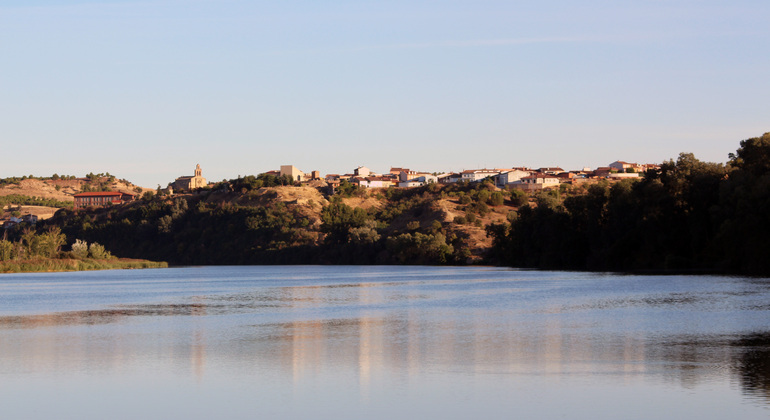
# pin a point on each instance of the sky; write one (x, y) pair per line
(145, 90)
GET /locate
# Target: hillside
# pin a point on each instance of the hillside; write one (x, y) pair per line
(42, 197)
(64, 189)
(243, 222)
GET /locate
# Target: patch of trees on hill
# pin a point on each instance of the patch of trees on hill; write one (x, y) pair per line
(25, 200)
(213, 228)
(689, 215)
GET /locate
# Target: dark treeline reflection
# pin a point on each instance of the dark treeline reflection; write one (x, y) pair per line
(753, 364)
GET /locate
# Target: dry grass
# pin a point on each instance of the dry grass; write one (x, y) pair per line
(71, 264)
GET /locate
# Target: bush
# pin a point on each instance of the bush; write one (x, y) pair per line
(97, 251)
(519, 198)
(80, 249)
(496, 199)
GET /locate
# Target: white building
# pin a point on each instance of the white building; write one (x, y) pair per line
(362, 171)
(511, 176)
(474, 175)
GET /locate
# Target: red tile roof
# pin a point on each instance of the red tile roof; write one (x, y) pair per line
(101, 194)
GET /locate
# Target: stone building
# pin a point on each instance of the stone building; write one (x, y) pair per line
(190, 183)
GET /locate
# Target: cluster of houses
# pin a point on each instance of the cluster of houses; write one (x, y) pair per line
(13, 221)
(520, 177)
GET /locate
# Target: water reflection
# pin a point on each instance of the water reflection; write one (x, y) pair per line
(408, 329)
(753, 364)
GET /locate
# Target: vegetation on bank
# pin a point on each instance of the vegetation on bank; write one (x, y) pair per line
(690, 215)
(32, 251)
(73, 264)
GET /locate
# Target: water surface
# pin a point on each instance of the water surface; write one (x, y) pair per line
(379, 342)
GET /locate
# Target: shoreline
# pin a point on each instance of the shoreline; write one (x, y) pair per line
(53, 265)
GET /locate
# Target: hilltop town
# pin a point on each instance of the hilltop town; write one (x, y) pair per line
(524, 178)
(521, 177)
(29, 198)
(449, 212)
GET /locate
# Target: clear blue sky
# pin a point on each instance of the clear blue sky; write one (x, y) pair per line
(147, 89)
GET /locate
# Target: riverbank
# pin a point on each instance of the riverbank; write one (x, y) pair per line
(73, 264)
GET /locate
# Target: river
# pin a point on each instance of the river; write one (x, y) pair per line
(350, 342)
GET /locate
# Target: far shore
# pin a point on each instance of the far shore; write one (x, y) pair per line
(47, 265)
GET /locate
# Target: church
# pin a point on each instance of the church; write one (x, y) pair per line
(190, 183)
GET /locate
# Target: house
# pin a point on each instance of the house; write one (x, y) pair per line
(413, 178)
(372, 182)
(297, 175)
(30, 218)
(624, 175)
(362, 171)
(332, 182)
(509, 176)
(12, 222)
(603, 172)
(648, 167)
(475, 175)
(190, 183)
(551, 170)
(537, 181)
(410, 184)
(406, 174)
(292, 172)
(426, 177)
(622, 166)
(101, 199)
(450, 178)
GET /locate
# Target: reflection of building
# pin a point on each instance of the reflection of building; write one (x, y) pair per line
(189, 183)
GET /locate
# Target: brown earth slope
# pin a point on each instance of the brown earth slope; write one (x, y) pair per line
(66, 188)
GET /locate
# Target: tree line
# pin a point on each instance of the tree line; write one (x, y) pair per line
(221, 225)
(688, 216)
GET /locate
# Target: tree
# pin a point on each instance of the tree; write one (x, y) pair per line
(519, 197)
(338, 218)
(29, 242)
(753, 156)
(50, 242)
(6, 250)
(496, 199)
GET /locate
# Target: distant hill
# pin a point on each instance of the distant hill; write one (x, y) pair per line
(64, 189)
(232, 223)
(42, 197)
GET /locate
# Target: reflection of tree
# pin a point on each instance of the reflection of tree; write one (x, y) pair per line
(753, 364)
